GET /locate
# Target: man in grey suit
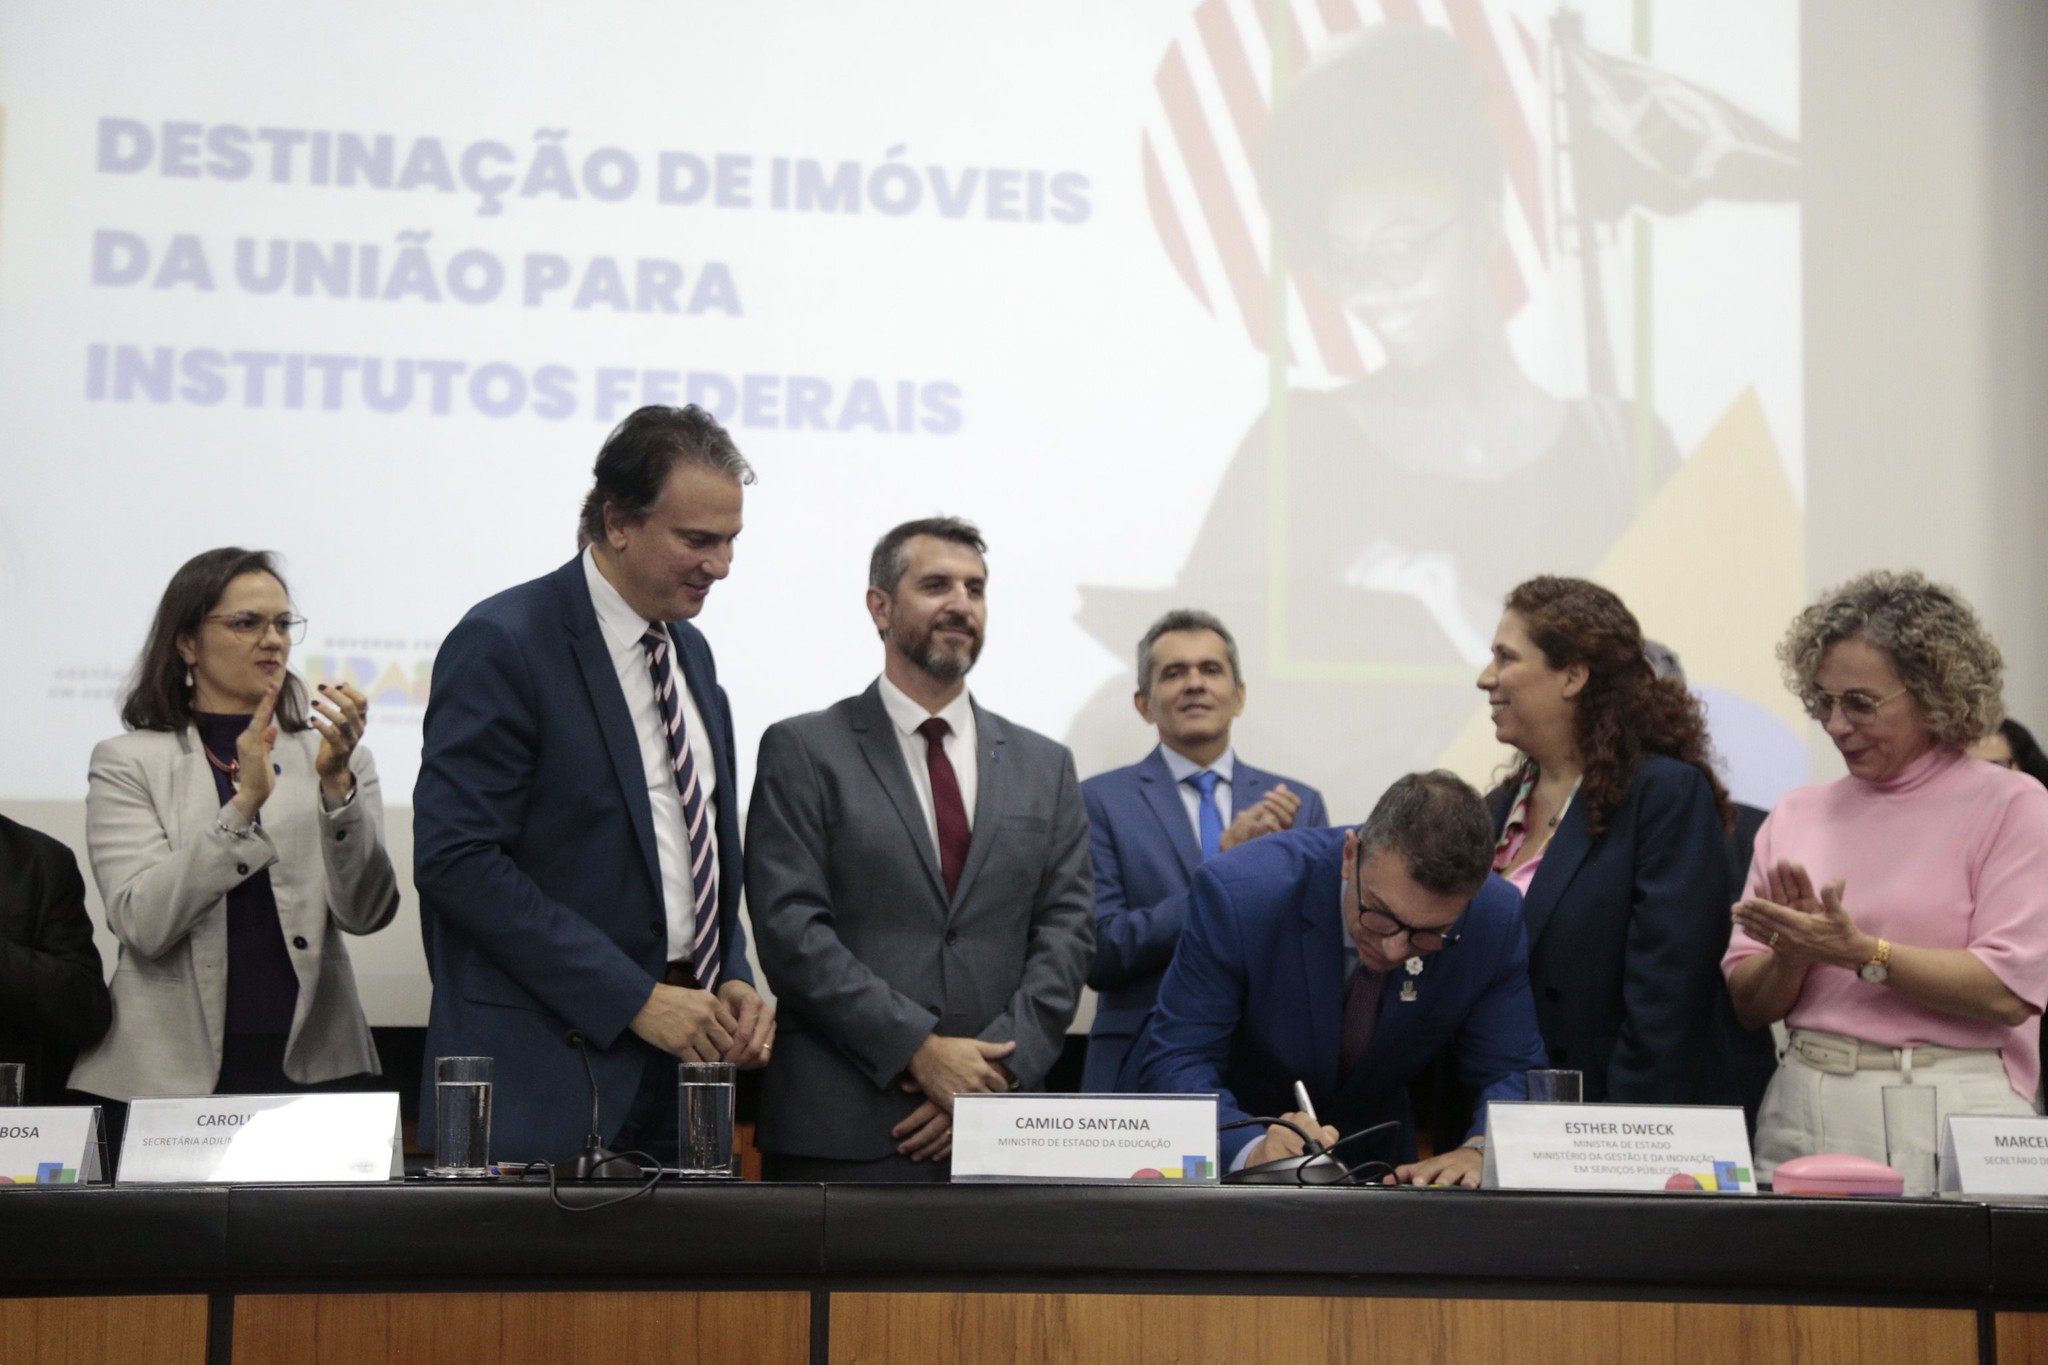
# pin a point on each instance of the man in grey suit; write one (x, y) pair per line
(917, 872)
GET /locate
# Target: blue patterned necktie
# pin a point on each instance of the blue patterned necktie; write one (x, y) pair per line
(1208, 815)
(696, 819)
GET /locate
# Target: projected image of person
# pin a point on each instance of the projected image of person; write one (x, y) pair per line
(1366, 533)
(1418, 495)
(236, 833)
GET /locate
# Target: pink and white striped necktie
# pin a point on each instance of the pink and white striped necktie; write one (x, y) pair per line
(704, 953)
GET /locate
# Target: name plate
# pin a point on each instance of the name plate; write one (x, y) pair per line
(1617, 1147)
(49, 1146)
(1995, 1154)
(261, 1139)
(1125, 1139)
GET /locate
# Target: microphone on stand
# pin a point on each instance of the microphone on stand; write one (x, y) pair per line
(595, 1161)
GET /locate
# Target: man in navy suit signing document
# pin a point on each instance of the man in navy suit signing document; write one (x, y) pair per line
(1153, 823)
(1346, 959)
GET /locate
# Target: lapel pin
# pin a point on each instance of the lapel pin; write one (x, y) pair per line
(1415, 966)
(1408, 991)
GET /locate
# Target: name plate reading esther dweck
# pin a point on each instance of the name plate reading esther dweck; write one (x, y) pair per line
(1617, 1147)
(1128, 1139)
(49, 1146)
(1995, 1154)
(261, 1139)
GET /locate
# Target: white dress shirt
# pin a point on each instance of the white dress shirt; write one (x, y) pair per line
(1182, 767)
(622, 628)
(906, 715)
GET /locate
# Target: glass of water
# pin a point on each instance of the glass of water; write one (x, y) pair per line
(13, 1084)
(462, 1118)
(705, 1092)
(1911, 1134)
(1556, 1087)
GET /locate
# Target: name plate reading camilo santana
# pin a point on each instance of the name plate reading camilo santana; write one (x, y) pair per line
(1617, 1147)
(261, 1140)
(49, 1146)
(1987, 1154)
(1125, 1139)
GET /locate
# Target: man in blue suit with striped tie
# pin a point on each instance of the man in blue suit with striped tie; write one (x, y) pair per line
(1153, 823)
(575, 831)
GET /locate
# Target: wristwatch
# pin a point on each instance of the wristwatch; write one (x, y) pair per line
(1880, 966)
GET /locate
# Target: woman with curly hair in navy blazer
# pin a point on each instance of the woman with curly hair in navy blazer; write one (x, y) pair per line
(1611, 823)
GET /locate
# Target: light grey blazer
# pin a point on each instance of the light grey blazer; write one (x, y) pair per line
(866, 953)
(164, 870)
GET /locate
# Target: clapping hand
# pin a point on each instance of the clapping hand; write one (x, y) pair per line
(340, 714)
(253, 776)
(1799, 925)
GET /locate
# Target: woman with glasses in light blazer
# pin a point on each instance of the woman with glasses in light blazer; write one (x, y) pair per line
(1896, 918)
(236, 832)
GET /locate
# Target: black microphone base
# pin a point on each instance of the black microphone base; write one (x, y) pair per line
(1291, 1170)
(598, 1162)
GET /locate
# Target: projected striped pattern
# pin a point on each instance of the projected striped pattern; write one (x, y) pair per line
(1202, 142)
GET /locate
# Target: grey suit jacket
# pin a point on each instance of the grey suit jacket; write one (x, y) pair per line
(164, 870)
(866, 953)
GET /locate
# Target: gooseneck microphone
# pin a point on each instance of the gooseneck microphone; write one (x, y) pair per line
(595, 1161)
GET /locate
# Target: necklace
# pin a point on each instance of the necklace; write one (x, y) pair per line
(233, 770)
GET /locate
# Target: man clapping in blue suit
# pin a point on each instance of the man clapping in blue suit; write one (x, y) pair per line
(1153, 823)
(1346, 959)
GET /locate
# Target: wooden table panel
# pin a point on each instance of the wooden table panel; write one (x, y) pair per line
(153, 1330)
(905, 1329)
(2023, 1339)
(515, 1329)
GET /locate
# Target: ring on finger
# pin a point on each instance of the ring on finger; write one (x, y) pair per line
(1772, 941)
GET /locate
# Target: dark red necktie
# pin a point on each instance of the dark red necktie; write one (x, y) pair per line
(946, 802)
(1361, 1014)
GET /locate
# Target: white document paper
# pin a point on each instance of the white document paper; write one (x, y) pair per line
(261, 1139)
(1617, 1147)
(50, 1146)
(1994, 1154)
(1126, 1139)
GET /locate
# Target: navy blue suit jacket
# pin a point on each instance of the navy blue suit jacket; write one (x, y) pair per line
(1253, 1001)
(1145, 852)
(1626, 933)
(534, 854)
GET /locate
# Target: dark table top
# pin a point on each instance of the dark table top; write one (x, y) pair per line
(74, 1239)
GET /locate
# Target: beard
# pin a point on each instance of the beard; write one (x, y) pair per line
(946, 662)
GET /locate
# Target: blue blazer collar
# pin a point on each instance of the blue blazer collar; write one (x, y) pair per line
(608, 705)
(1322, 963)
(1162, 794)
(1561, 862)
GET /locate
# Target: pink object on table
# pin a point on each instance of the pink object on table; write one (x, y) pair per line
(1836, 1173)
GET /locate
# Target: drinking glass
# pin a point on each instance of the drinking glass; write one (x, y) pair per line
(1911, 1135)
(462, 1118)
(1556, 1087)
(13, 1084)
(704, 1090)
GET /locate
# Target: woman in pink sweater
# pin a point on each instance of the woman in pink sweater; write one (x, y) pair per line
(1896, 918)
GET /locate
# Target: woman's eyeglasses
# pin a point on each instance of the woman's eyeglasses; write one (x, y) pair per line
(247, 625)
(1857, 707)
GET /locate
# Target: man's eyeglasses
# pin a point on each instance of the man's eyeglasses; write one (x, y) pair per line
(247, 625)
(1381, 924)
(1857, 707)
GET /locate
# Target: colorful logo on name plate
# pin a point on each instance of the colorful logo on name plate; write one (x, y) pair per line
(46, 1173)
(1726, 1177)
(1191, 1168)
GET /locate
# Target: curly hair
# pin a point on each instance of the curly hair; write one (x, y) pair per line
(1947, 661)
(1625, 711)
